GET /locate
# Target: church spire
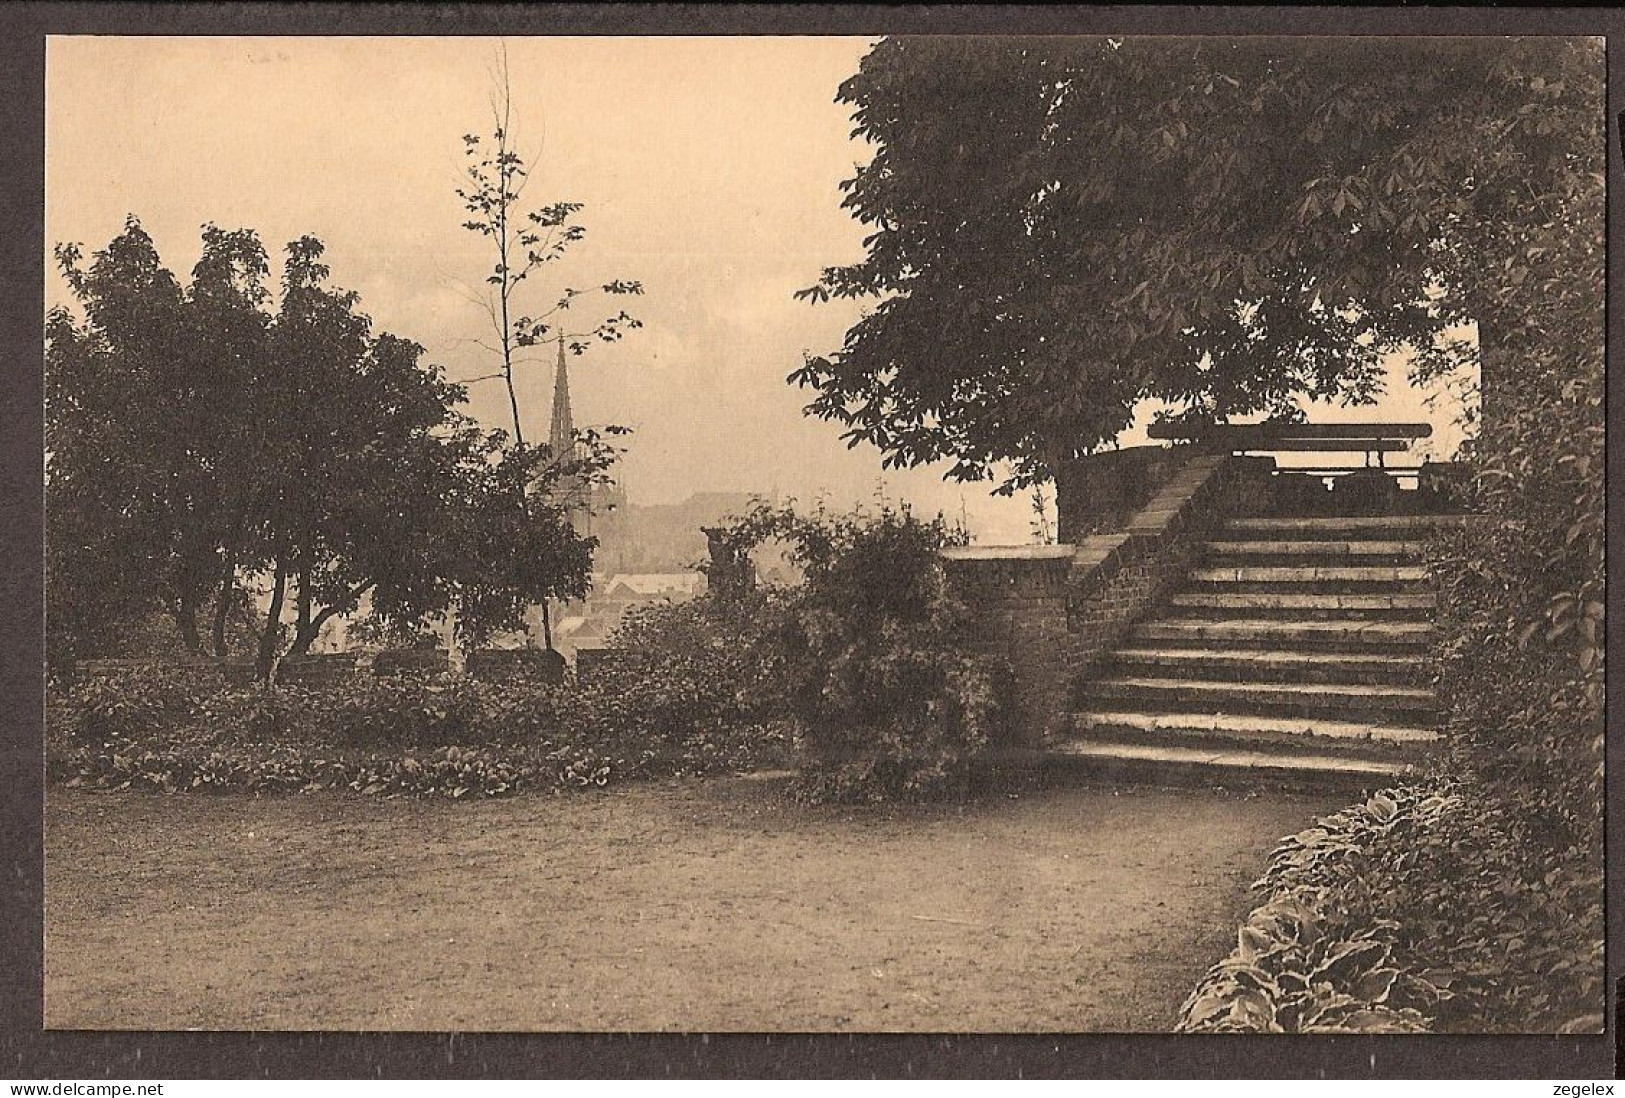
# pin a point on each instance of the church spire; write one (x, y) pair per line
(562, 436)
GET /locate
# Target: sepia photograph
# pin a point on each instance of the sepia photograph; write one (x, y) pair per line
(911, 534)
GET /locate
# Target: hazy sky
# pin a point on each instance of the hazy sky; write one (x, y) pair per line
(708, 168)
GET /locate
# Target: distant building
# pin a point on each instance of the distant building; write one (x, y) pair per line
(590, 503)
(589, 624)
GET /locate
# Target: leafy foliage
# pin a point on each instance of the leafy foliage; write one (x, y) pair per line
(1323, 955)
(1521, 613)
(723, 648)
(162, 730)
(1222, 224)
(1424, 908)
(868, 654)
(200, 444)
(124, 705)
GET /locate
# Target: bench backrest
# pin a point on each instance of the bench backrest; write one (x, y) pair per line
(1354, 437)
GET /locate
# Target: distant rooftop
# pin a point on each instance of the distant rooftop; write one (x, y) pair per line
(656, 583)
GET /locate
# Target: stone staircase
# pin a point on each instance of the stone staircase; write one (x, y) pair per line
(1295, 652)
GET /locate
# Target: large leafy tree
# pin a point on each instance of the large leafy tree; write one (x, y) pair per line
(1067, 227)
(140, 433)
(203, 444)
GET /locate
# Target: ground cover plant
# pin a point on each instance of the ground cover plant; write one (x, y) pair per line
(176, 730)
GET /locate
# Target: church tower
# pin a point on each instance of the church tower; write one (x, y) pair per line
(562, 434)
(589, 504)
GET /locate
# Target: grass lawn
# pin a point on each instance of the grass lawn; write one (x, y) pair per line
(715, 905)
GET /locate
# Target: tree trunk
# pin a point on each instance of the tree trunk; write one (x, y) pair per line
(547, 625)
(222, 603)
(306, 632)
(186, 624)
(1487, 379)
(301, 625)
(309, 628)
(273, 623)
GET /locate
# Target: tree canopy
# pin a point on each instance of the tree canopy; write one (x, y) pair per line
(1067, 227)
(202, 444)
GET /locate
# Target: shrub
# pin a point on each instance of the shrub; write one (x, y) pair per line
(1514, 889)
(1424, 908)
(283, 768)
(1322, 953)
(119, 704)
(717, 656)
(868, 656)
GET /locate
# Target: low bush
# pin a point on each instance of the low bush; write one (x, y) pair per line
(178, 767)
(127, 701)
(444, 734)
(1422, 909)
(715, 658)
(868, 656)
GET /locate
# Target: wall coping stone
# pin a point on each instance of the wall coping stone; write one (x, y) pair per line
(1098, 556)
(1101, 556)
(1008, 552)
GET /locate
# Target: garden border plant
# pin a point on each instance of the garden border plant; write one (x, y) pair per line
(887, 700)
(174, 729)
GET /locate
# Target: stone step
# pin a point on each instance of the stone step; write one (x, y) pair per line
(1311, 574)
(1277, 604)
(1176, 764)
(1331, 550)
(1318, 526)
(1311, 734)
(1309, 666)
(1360, 634)
(1228, 695)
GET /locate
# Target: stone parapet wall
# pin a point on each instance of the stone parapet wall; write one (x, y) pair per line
(1117, 579)
(1051, 611)
(1101, 492)
(1018, 598)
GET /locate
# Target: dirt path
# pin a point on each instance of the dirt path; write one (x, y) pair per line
(704, 906)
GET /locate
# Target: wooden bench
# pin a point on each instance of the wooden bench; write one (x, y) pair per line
(1371, 439)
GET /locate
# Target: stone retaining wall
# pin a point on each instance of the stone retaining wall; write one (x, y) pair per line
(1052, 610)
(513, 663)
(1018, 595)
(411, 661)
(321, 669)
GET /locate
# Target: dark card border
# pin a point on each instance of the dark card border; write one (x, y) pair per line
(26, 1051)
